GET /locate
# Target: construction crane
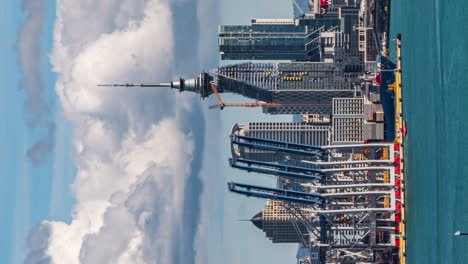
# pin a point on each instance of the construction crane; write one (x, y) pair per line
(222, 104)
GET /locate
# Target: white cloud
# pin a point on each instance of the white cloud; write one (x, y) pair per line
(133, 147)
(147, 190)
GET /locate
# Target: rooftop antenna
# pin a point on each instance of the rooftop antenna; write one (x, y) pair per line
(139, 85)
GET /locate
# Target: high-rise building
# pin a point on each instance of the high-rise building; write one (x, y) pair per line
(275, 39)
(301, 133)
(289, 83)
(279, 225)
(347, 120)
(354, 58)
(348, 106)
(301, 39)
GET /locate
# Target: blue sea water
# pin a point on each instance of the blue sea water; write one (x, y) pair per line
(435, 90)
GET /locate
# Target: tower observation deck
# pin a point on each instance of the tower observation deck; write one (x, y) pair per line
(199, 84)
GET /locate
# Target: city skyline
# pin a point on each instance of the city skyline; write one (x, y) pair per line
(205, 131)
(81, 106)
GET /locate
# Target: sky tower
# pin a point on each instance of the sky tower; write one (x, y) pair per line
(200, 85)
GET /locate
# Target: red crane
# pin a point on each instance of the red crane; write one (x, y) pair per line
(222, 104)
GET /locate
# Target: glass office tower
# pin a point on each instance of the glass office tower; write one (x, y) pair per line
(275, 39)
(289, 83)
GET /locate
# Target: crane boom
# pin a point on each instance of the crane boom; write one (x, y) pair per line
(261, 104)
(215, 91)
(222, 104)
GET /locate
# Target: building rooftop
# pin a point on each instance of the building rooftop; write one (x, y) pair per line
(257, 220)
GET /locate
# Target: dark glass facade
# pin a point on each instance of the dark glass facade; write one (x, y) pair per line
(288, 83)
(298, 41)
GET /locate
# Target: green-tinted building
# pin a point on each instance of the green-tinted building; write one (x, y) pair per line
(275, 39)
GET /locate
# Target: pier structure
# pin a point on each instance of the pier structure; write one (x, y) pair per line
(401, 133)
(355, 192)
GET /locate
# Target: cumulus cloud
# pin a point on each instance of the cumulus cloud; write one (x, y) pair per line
(37, 102)
(38, 241)
(139, 152)
(142, 210)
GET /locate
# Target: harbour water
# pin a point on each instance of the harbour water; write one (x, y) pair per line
(435, 90)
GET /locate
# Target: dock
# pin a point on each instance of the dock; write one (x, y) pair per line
(400, 140)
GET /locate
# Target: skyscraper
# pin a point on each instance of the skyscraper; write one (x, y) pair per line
(347, 120)
(282, 131)
(279, 225)
(302, 39)
(275, 39)
(289, 83)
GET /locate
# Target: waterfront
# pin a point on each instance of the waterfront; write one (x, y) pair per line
(434, 61)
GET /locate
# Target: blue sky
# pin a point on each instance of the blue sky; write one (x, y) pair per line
(74, 154)
(27, 189)
(243, 242)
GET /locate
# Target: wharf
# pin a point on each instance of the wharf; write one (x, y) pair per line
(400, 128)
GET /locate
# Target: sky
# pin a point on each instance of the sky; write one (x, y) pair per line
(30, 159)
(115, 175)
(243, 242)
